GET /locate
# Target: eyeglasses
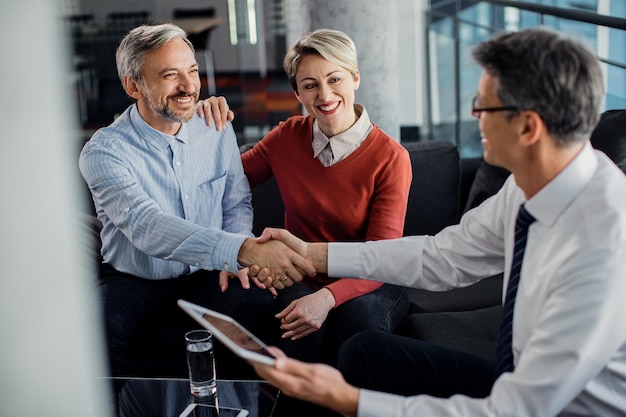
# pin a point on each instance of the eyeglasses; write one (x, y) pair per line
(476, 111)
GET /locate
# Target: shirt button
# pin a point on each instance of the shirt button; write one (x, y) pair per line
(178, 163)
(186, 196)
(226, 266)
(126, 210)
(197, 264)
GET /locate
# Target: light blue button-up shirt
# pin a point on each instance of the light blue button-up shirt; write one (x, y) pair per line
(169, 205)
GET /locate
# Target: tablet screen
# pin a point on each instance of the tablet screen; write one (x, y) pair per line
(230, 333)
(238, 334)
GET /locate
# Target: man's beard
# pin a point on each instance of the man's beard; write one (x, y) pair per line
(166, 112)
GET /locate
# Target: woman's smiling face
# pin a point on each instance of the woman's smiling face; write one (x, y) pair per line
(327, 91)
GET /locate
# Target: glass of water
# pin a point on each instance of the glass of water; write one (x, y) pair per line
(201, 363)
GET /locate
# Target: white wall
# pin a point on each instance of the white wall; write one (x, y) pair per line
(50, 338)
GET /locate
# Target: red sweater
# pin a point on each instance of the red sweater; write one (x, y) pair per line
(362, 197)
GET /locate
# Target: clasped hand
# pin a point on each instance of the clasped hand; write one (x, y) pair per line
(276, 278)
(276, 259)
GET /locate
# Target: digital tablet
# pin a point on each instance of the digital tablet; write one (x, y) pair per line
(205, 410)
(232, 334)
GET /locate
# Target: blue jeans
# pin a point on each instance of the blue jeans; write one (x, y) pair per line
(405, 366)
(137, 310)
(381, 310)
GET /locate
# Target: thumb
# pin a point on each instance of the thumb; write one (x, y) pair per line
(268, 234)
(223, 281)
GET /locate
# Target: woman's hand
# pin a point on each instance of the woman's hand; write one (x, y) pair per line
(215, 109)
(306, 314)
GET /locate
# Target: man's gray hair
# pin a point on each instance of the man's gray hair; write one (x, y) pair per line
(557, 76)
(140, 41)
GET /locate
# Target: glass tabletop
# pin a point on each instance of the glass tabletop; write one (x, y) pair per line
(156, 397)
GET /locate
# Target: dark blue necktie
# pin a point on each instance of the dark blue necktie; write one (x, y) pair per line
(504, 351)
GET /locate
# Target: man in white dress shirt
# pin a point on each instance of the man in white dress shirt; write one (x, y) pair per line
(537, 102)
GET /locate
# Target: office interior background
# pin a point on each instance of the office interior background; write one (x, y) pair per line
(418, 81)
(418, 76)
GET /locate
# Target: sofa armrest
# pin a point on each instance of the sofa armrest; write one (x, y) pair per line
(469, 331)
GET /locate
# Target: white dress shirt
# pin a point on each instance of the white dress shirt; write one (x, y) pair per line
(569, 326)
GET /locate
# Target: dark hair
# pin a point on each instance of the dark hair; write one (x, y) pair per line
(545, 71)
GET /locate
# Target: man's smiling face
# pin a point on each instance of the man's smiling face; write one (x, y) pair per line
(170, 87)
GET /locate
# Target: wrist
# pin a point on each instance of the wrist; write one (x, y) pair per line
(318, 256)
(329, 297)
(243, 256)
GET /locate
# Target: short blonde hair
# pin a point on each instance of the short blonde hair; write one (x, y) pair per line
(332, 45)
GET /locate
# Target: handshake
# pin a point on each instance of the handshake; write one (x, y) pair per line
(277, 258)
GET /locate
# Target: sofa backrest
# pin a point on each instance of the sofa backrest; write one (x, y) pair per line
(609, 136)
(434, 194)
(269, 210)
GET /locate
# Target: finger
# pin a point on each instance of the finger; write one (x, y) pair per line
(223, 280)
(202, 112)
(258, 283)
(265, 279)
(262, 286)
(220, 111)
(298, 263)
(243, 278)
(265, 236)
(300, 328)
(286, 237)
(283, 314)
(284, 282)
(200, 108)
(253, 271)
(230, 115)
(299, 333)
(264, 276)
(277, 352)
(276, 283)
(292, 325)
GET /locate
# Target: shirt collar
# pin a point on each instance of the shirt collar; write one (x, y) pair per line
(344, 142)
(548, 204)
(153, 137)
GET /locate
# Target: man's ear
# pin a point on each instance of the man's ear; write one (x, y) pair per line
(132, 87)
(531, 127)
